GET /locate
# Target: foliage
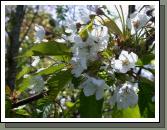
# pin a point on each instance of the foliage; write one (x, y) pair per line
(90, 68)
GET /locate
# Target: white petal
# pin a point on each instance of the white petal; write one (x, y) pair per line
(128, 23)
(117, 65)
(89, 90)
(40, 33)
(99, 83)
(36, 61)
(133, 57)
(99, 94)
(124, 55)
(124, 69)
(133, 15)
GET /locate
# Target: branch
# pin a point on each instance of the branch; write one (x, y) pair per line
(25, 34)
(29, 99)
(131, 10)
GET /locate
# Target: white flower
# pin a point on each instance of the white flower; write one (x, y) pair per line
(79, 59)
(79, 65)
(71, 25)
(99, 37)
(62, 102)
(36, 60)
(40, 33)
(36, 84)
(139, 19)
(125, 96)
(125, 62)
(94, 86)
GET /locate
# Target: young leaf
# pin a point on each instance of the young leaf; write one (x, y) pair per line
(130, 112)
(84, 32)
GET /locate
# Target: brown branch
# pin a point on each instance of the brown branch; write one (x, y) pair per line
(29, 99)
(25, 34)
(13, 48)
(131, 10)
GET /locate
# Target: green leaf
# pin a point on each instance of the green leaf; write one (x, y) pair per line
(139, 62)
(57, 82)
(146, 92)
(64, 58)
(77, 81)
(8, 107)
(24, 71)
(24, 84)
(90, 107)
(69, 104)
(146, 59)
(113, 28)
(22, 112)
(50, 70)
(130, 112)
(48, 48)
(48, 110)
(84, 32)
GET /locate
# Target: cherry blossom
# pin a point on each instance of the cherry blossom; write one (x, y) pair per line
(125, 62)
(94, 86)
(40, 33)
(125, 96)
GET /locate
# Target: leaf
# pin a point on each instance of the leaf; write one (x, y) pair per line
(69, 104)
(22, 112)
(57, 82)
(139, 62)
(8, 108)
(8, 91)
(90, 107)
(48, 48)
(146, 59)
(24, 71)
(48, 110)
(64, 58)
(50, 70)
(146, 92)
(113, 28)
(130, 112)
(24, 84)
(76, 81)
(84, 32)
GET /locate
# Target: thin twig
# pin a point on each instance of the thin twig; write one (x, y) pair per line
(25, 34)
(29, 99)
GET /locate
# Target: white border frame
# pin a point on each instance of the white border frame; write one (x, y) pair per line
(3, 119)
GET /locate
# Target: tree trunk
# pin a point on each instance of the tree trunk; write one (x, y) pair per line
(13, 47)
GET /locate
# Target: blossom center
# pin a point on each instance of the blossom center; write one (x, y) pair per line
(125, 62)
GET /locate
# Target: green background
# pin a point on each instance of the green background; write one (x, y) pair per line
(162, 2)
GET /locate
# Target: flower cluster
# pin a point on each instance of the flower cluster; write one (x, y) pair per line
(85, 51)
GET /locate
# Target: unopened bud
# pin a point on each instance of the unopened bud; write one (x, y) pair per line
(91, 16)
(78, 25)
(99, 12)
